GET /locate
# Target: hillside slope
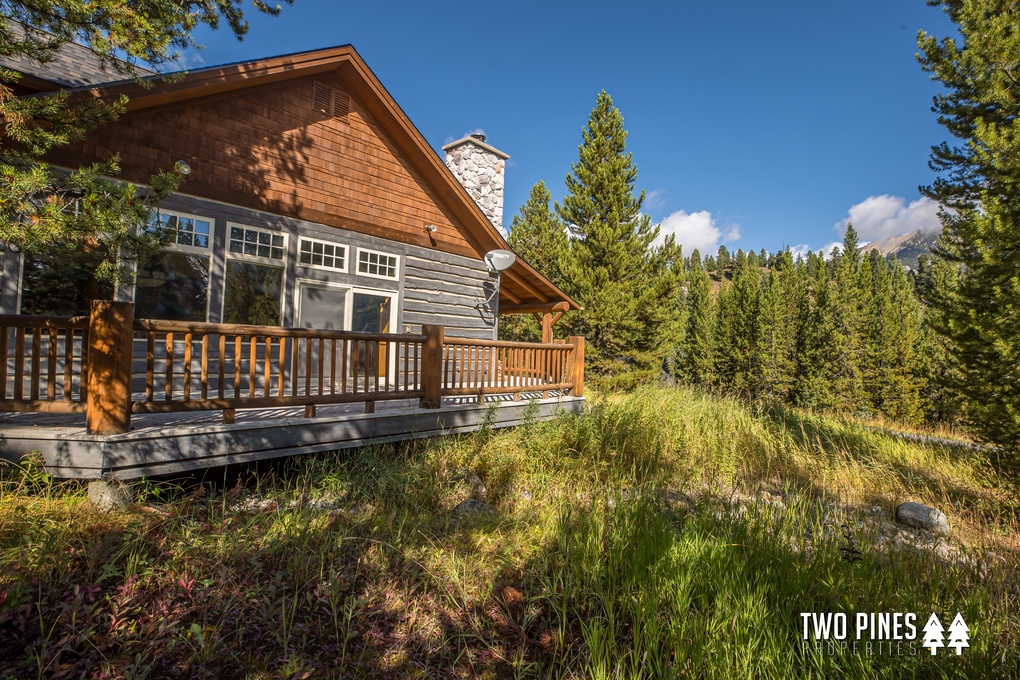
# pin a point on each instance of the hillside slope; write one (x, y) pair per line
(665, 533)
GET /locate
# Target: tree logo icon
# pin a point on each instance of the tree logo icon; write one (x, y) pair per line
(933, 638)
(959, 634)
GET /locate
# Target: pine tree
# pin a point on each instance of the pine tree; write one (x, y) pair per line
(936, 283)
(628, 287)
(743, 338)
(775, 363)
(979, 179)
(42, 207)
(538, 236)
(695, 363)
(840, 330)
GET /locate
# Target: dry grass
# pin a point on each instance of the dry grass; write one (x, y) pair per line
(627, 542)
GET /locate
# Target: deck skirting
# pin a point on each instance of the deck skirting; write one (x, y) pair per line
(178, 446)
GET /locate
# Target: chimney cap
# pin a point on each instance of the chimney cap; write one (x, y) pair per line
(474, 140)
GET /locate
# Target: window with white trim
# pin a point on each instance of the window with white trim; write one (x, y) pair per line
(189, 230)
(379, 265)
(255, 242)
(314, 253)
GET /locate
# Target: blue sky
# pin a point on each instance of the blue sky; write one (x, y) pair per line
(757, 125)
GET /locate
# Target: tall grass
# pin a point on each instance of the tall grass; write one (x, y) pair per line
(664, 533)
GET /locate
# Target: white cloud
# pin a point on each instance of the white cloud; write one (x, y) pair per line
(878, 217)
(827, 248)
(697, 230)
(800, 250)
(655, 199)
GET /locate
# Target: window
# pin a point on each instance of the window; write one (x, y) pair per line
(255, 242)
(173, 286)
(189, 230)
(61, 280)
(379, 265)
(322, 254)
(252, 293)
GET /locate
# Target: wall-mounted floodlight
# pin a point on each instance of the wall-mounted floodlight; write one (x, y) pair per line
(182, 168)
(498, 260)
(431, 228)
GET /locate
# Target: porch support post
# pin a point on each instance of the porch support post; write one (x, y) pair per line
(547, 319)
(577, 365)
(111, 344)
(432, 366)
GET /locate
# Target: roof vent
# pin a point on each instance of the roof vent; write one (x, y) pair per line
(331, 102)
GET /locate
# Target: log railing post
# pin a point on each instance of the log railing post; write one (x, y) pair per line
(577, 365)
(111, 344)
(432, 366)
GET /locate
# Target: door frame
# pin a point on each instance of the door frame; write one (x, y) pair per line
(351, 291)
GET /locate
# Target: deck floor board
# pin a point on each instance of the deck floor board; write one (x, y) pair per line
(166, 443)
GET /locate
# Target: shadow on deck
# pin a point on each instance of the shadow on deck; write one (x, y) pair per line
(169, 443)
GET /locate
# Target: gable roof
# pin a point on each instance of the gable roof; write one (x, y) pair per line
(523, 288)
(72, 66)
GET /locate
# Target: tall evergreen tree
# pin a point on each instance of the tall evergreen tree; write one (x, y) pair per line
(892, 341)
(739, 357)
(537, 235)
(980, 180)
(627, 286)
(936, 283)
(775, 363)
(840, 330)
(695, 363)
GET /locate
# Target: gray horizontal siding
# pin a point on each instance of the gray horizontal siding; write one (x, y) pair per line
(434, 287)
(452, 291)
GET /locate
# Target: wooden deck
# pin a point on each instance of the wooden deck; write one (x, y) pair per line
(168, 443)
(113, 395)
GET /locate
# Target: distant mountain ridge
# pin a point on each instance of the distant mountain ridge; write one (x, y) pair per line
(906, 247)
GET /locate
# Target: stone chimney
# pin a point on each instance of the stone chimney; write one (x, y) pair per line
(480, 169)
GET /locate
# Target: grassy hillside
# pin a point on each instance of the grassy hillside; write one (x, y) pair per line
(667, 533)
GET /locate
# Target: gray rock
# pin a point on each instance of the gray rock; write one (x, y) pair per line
(475, 483)
(472, 508)
(921, 516)
(108, 495)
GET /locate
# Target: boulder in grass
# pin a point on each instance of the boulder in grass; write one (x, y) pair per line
(921, 516)
(109, 495)
(474, 482)
(472, 508)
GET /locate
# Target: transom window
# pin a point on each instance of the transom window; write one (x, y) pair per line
(314, 253)
(189, 230)
(374, 263)
(256, 242)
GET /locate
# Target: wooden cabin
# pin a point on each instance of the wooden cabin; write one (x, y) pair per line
(312, 202)
(324, 255)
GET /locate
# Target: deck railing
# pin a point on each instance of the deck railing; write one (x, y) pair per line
(110, 365)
